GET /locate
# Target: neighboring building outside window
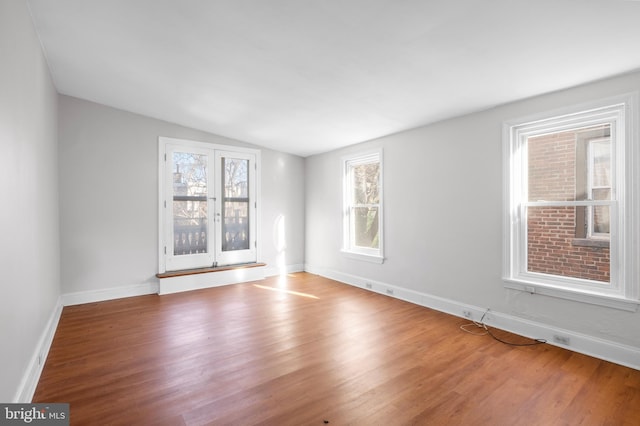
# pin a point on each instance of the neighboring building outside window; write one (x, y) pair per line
(599, 187)
(362, 225)
(569, 205)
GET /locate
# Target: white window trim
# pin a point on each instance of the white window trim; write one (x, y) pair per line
(624, 291)
(163, 142)
(360, 253)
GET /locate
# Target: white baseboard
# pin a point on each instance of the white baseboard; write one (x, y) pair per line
(30, 379)
(101, 295)
(628, 356)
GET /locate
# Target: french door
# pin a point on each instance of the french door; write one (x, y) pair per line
(208, 205)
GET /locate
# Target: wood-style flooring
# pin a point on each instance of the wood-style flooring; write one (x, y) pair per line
(306, 350)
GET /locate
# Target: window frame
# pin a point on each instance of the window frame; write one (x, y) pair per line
(623, 290)
(349, 248)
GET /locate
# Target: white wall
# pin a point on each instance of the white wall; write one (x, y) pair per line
(109, 196)
(29, 259)
(443, 217)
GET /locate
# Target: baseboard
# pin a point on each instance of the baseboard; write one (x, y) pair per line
(101, 295)
(30, 379)
(628, 356)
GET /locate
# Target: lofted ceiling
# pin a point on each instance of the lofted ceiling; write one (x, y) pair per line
(306, 77)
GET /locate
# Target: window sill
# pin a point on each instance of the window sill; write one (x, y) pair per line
(590, 242)
(593, 298)
(364, 257)
(183, 272)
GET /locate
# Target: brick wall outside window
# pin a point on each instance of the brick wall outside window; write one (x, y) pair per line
(552, 241)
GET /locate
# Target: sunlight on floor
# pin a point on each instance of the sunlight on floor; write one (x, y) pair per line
(283, 290)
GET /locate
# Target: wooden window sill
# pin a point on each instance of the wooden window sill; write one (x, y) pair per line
(183, 272)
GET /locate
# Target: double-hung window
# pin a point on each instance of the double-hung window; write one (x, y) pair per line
(362, 221)
(571, 204)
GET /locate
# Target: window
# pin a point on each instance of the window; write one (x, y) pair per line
(570, 206)
(362, 229)
(208, 205)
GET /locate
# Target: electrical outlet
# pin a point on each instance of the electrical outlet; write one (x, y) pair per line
(563, 340)
(368, 285)
(390, 291)
(40, 359)
(467, 314)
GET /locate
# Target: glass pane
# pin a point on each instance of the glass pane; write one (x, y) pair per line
(365, 178)
(190, 233)
(235, 227)
(365, 223)
(235, 204)
(600, 221)
(189, 174)
(236, 178)
(601, 194)
(600, 163)
(190, 230)
(551, 248)
(558, 163)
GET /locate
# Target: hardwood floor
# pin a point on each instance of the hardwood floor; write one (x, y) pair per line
(307, 351)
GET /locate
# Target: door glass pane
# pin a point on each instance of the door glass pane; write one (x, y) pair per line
(190, 230)
(235, 204)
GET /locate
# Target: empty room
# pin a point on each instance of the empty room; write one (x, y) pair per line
(286, 212)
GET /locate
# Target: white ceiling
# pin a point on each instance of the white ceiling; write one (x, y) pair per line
(305, 77)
